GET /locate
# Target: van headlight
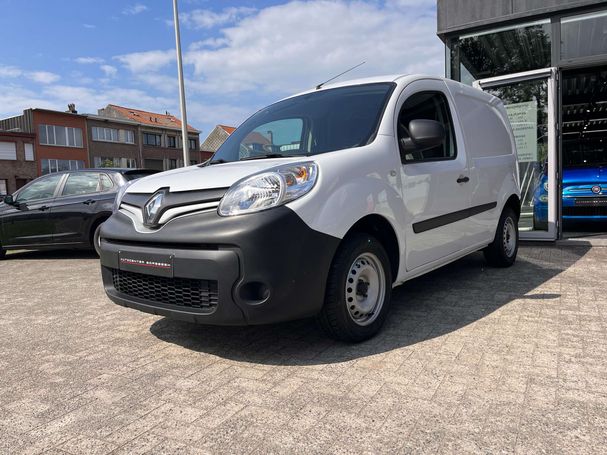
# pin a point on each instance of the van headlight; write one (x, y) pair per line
(120, 195)
(269, 189)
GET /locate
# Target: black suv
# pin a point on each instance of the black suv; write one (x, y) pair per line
(61, 210)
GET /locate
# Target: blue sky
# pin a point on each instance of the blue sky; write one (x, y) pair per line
(239, 55)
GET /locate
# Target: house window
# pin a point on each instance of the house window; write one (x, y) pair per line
(192, 143)
(104, 161)
(60, 135)
(53, 165)
(112, 135)
(29, 152)
(171, 141)
(3, 186)
(8, 151)
(172, 164)
(151, 139)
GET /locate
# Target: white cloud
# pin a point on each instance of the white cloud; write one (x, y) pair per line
(148, 61)
(88, 60)
(89, 26)
(203, 18)
(132, 10)
(10, 71)
(291, 47)
(42, 77)
(109, 70)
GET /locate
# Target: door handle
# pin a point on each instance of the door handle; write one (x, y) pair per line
(463, 179)
(89, 201)
(43, 208)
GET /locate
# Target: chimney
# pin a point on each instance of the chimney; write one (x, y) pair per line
(72, 108)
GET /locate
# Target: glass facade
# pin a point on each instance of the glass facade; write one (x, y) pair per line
(501, 51)
(584, 35)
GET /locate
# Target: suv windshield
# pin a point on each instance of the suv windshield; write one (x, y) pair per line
(310, 124)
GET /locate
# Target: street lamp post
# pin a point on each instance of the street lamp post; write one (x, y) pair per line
(184, 119)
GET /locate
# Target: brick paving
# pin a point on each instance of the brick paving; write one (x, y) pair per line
(472, 360)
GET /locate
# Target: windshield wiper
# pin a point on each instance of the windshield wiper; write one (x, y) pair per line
(218, 161)
(267, 155)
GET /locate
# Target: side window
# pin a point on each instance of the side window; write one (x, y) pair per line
(280, 136)
(427, 106)
(81, 183)
(105, 183)
(43, 188)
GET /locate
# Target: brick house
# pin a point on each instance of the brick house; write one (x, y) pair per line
(60, 141)
(157, 137)
(17, 160)
(214, 140)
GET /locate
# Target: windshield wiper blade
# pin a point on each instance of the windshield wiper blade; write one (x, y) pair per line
(267, 155)
(219, 161)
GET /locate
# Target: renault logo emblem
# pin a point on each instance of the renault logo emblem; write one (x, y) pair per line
(596, 189)
(151, 209)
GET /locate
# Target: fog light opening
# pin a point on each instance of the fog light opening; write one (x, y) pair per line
(254, 292)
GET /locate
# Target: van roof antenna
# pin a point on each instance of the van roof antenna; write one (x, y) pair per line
(319, 86)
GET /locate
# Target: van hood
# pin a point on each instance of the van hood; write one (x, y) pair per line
(199, 178)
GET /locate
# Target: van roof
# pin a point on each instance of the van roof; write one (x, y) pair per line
(368, 80)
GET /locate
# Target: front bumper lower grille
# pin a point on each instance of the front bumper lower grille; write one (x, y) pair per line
(178, 292)
(585, 210)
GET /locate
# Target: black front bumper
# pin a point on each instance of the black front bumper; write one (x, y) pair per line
(250, 269)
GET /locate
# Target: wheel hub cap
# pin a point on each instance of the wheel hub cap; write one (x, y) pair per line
(365, 289)
(509, 237)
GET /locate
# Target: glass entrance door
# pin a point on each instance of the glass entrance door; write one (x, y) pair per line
(530, 100)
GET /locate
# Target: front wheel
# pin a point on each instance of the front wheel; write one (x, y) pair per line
(502, 251)
(358, 290)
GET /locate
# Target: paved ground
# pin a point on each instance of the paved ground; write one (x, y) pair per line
(472, 360)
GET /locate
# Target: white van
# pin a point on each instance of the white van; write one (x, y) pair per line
(318, 205)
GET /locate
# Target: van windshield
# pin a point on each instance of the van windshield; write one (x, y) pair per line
(310, 124)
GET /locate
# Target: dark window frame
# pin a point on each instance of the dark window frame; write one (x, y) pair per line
(157, 143)
(450, 131)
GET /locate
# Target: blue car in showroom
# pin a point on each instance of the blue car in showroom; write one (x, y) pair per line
(584, 196)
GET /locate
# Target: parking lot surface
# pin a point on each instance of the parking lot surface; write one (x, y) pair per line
(472, 359)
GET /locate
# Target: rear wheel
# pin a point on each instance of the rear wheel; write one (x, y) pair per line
(97, 240)
(358, 290)
(502, 251)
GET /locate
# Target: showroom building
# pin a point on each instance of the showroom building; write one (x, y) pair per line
(547, 60)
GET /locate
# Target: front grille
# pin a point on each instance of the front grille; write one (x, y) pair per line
(585, 210)
(180, 292)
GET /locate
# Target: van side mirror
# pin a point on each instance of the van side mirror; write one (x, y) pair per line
(423, 135)
(8, 199)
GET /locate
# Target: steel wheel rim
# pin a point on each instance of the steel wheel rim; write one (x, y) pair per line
(365, 289)
(509, 237)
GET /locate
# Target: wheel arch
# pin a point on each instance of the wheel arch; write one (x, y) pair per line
(515, 204)
(380, 228)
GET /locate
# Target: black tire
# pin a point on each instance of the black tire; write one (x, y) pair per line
(95, 240)
(540, 225)
(358, 254)
(502, 252)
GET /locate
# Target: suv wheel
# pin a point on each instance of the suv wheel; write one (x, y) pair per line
(358, 292)
(502, 251)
